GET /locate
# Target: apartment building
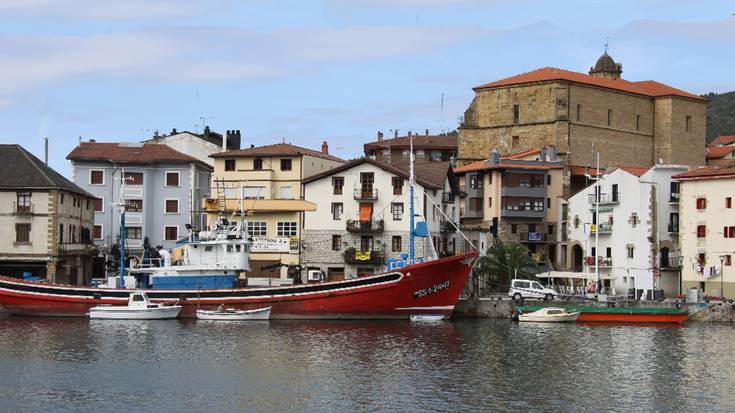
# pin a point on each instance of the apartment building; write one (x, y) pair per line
(426, 147)
(637, 228)
(163, 191)
(707, 228)
(516, 196)
(199, 145)
(362, 216)
(265, 182)
(47, 221)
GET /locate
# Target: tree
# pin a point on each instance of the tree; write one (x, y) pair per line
(503, 262)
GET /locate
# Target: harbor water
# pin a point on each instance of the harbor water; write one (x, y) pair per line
(76, 365)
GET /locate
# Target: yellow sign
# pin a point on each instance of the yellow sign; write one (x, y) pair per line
(593, 228)
(362, 256)
(536, 257)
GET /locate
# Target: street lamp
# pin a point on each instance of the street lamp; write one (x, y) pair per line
(507, 264)
(722, 277)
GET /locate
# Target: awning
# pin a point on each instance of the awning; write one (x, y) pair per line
(366, 212)
(573, 275)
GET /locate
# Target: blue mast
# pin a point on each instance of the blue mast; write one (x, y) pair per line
(411, 223)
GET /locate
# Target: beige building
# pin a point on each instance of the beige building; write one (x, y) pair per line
(47, 219)
(427, 148)
(266, 182)
(630, 123)
(521, 194)
(707, 228)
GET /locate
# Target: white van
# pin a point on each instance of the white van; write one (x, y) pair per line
(530, 289)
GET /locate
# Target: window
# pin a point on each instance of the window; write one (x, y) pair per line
(171, 233)
(286, 228)
(396, 208)
(97, 232)
(688, 125)
(258, 164)
(133, 178)
(548, 202)
(23, 233)
(637, 122)
(701, 203)
(62, 199)
(728, 260)
(436, 156)
(489, 202)
(285, 164)
(609, 117)
(229, 164)
(337, 209)
(257, 228)
(286, 192)
(475, 181)
(516, 142)
(531, 227)
(23, 202)
(366, 243)
(728, 232)
(475, 204)
(551, 229)
(172, 206)
(172, 179)
(728, 202)
(701, 231)
(133, 233)
(61, 233)
(608, 252)
(631, 251)
(397, 185)
(99, 204)
(395, 244)
(96, 177)
(404, 153)
(134, 205)
(336, 242)
(419, 153)
(338, 183)
(579, 112)
(516, 113)
(253, 192)
(513, 228)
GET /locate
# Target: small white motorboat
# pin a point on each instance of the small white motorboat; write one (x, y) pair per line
(427, 317)
(139, 308)
(230, 314)
(549, 315)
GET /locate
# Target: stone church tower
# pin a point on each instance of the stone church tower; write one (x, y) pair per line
(607, 68)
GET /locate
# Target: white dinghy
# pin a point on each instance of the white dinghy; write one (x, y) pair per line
(139, 308)
(230, 314)
(549, 315)
(427, 317)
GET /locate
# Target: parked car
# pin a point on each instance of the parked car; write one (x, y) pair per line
(530, 289)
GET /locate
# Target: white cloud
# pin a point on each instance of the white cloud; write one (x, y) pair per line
(108, 9)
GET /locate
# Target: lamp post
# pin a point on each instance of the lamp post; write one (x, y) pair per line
(507, 264)
(722, 277)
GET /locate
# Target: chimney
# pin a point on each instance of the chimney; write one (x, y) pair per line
(380, 136)
(45, 150)
(395, 135)
(552, 153)
(325, 148)
(233, 139)
(494, 157)
(173, 131)
(409, 134)
(427, 132)
(252, 146)
(542, 155)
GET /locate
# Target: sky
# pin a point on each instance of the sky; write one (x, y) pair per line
(307, 71)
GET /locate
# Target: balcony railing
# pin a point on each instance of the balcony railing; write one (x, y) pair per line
(673, 228)
(23, 209)
(448, 198)
(674, 198)
(534, 237)
(602, 262)
(605, 199)
(352, 256)
(366, 194)
(604, 228)
(354, 225)
(671, 262)
(446, 226)
(66, 247)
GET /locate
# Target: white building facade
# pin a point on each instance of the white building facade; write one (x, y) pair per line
(362, 216)
(636, 225)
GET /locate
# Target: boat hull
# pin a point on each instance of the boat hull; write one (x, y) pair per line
(625, 315)
(429, 288)
(251, 315)
(566, 318)
(123, 313)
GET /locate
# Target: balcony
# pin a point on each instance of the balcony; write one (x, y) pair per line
(354, 225)
(76, 247)
(524, 191)
(352, 256)
(523, 212)
(211, 205)
(673, 228)
(534, 237)
(447, 198)
(446, 226)
(674, 198)
(366, 194)
(604, 228)
(23, 209)
(671, 262)
(602, 262)
(605, 199)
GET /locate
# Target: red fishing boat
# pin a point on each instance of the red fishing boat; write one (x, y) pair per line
(432, 287)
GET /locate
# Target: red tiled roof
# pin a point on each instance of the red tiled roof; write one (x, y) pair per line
(278, 149)
(721, 171)
(482, 165)
(523, 154)
(646, 88)
(448, 141)
(723, 140)
(582, 170)
(716, 152)
(634, 170)
(128, 153)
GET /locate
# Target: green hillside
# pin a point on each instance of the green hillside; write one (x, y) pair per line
(720, 114)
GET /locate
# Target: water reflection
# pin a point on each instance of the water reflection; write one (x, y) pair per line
(104, 365)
